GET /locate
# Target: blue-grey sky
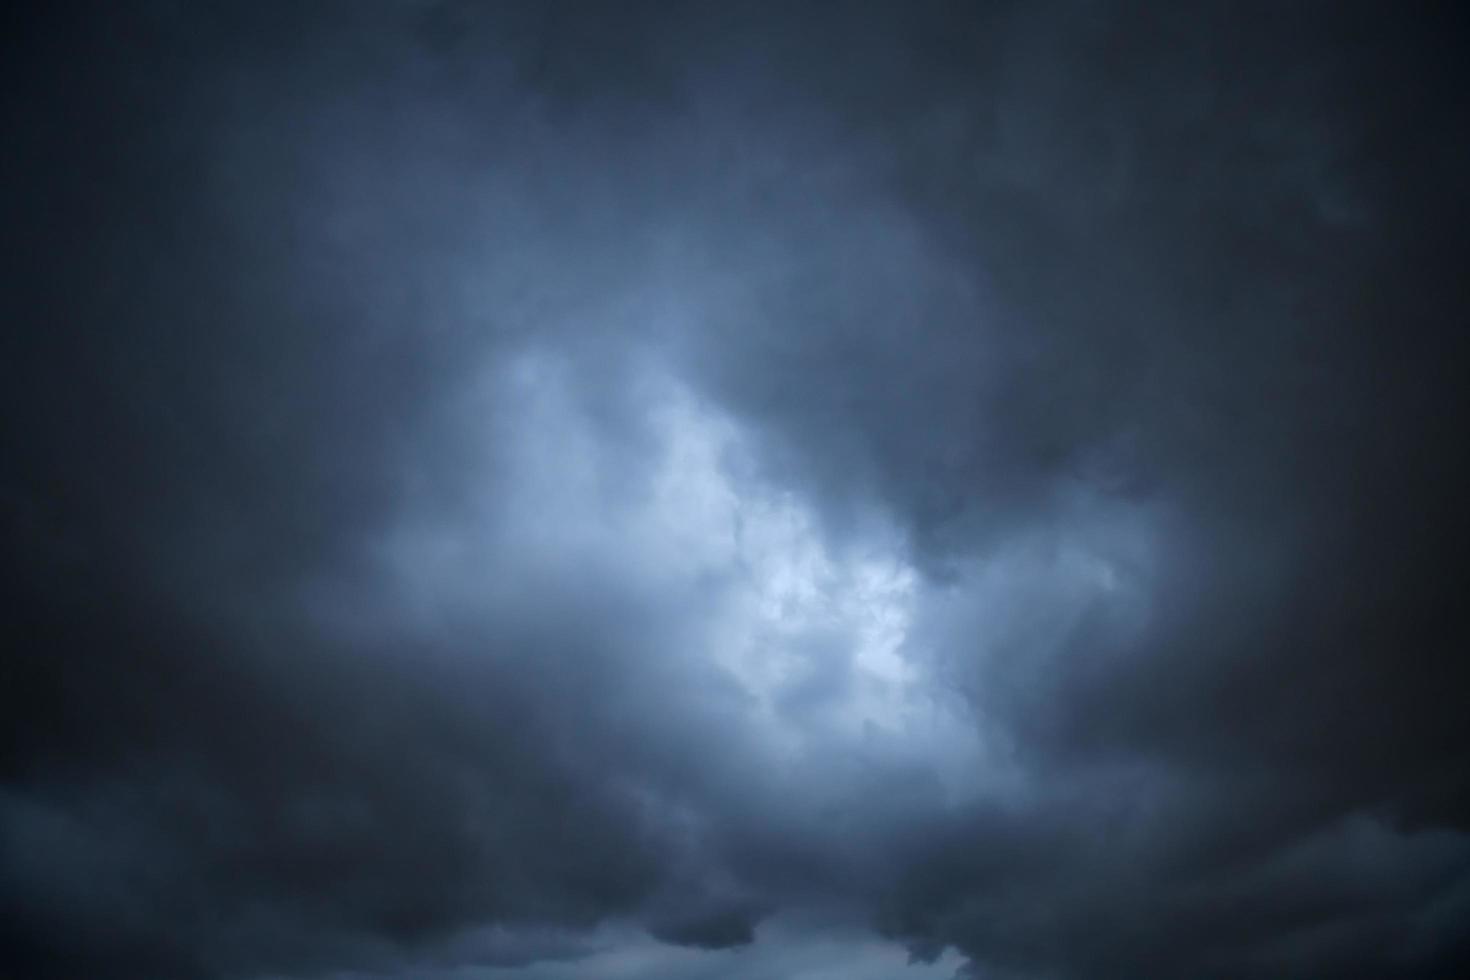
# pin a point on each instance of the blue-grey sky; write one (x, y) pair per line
(581, 491)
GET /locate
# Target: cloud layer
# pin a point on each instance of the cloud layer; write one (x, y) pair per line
(555, 491)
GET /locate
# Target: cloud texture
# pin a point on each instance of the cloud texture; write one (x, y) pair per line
(697, 491)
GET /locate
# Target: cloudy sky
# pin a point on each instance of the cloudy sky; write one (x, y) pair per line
(820, 491)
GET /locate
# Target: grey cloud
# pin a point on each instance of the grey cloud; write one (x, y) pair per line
(718, 930)
(670, 491)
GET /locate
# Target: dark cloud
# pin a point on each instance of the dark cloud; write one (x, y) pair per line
(718, 930)
(676, 491)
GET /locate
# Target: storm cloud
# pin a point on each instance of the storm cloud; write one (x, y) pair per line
(574, 490)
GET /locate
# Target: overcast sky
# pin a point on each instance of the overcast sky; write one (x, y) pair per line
(662, 491)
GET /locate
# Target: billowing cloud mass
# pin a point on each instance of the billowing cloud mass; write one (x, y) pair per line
(553, 491)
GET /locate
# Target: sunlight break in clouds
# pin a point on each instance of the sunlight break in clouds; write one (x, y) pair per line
(694, 514)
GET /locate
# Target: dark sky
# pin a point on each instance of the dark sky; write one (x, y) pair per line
(600, 491)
